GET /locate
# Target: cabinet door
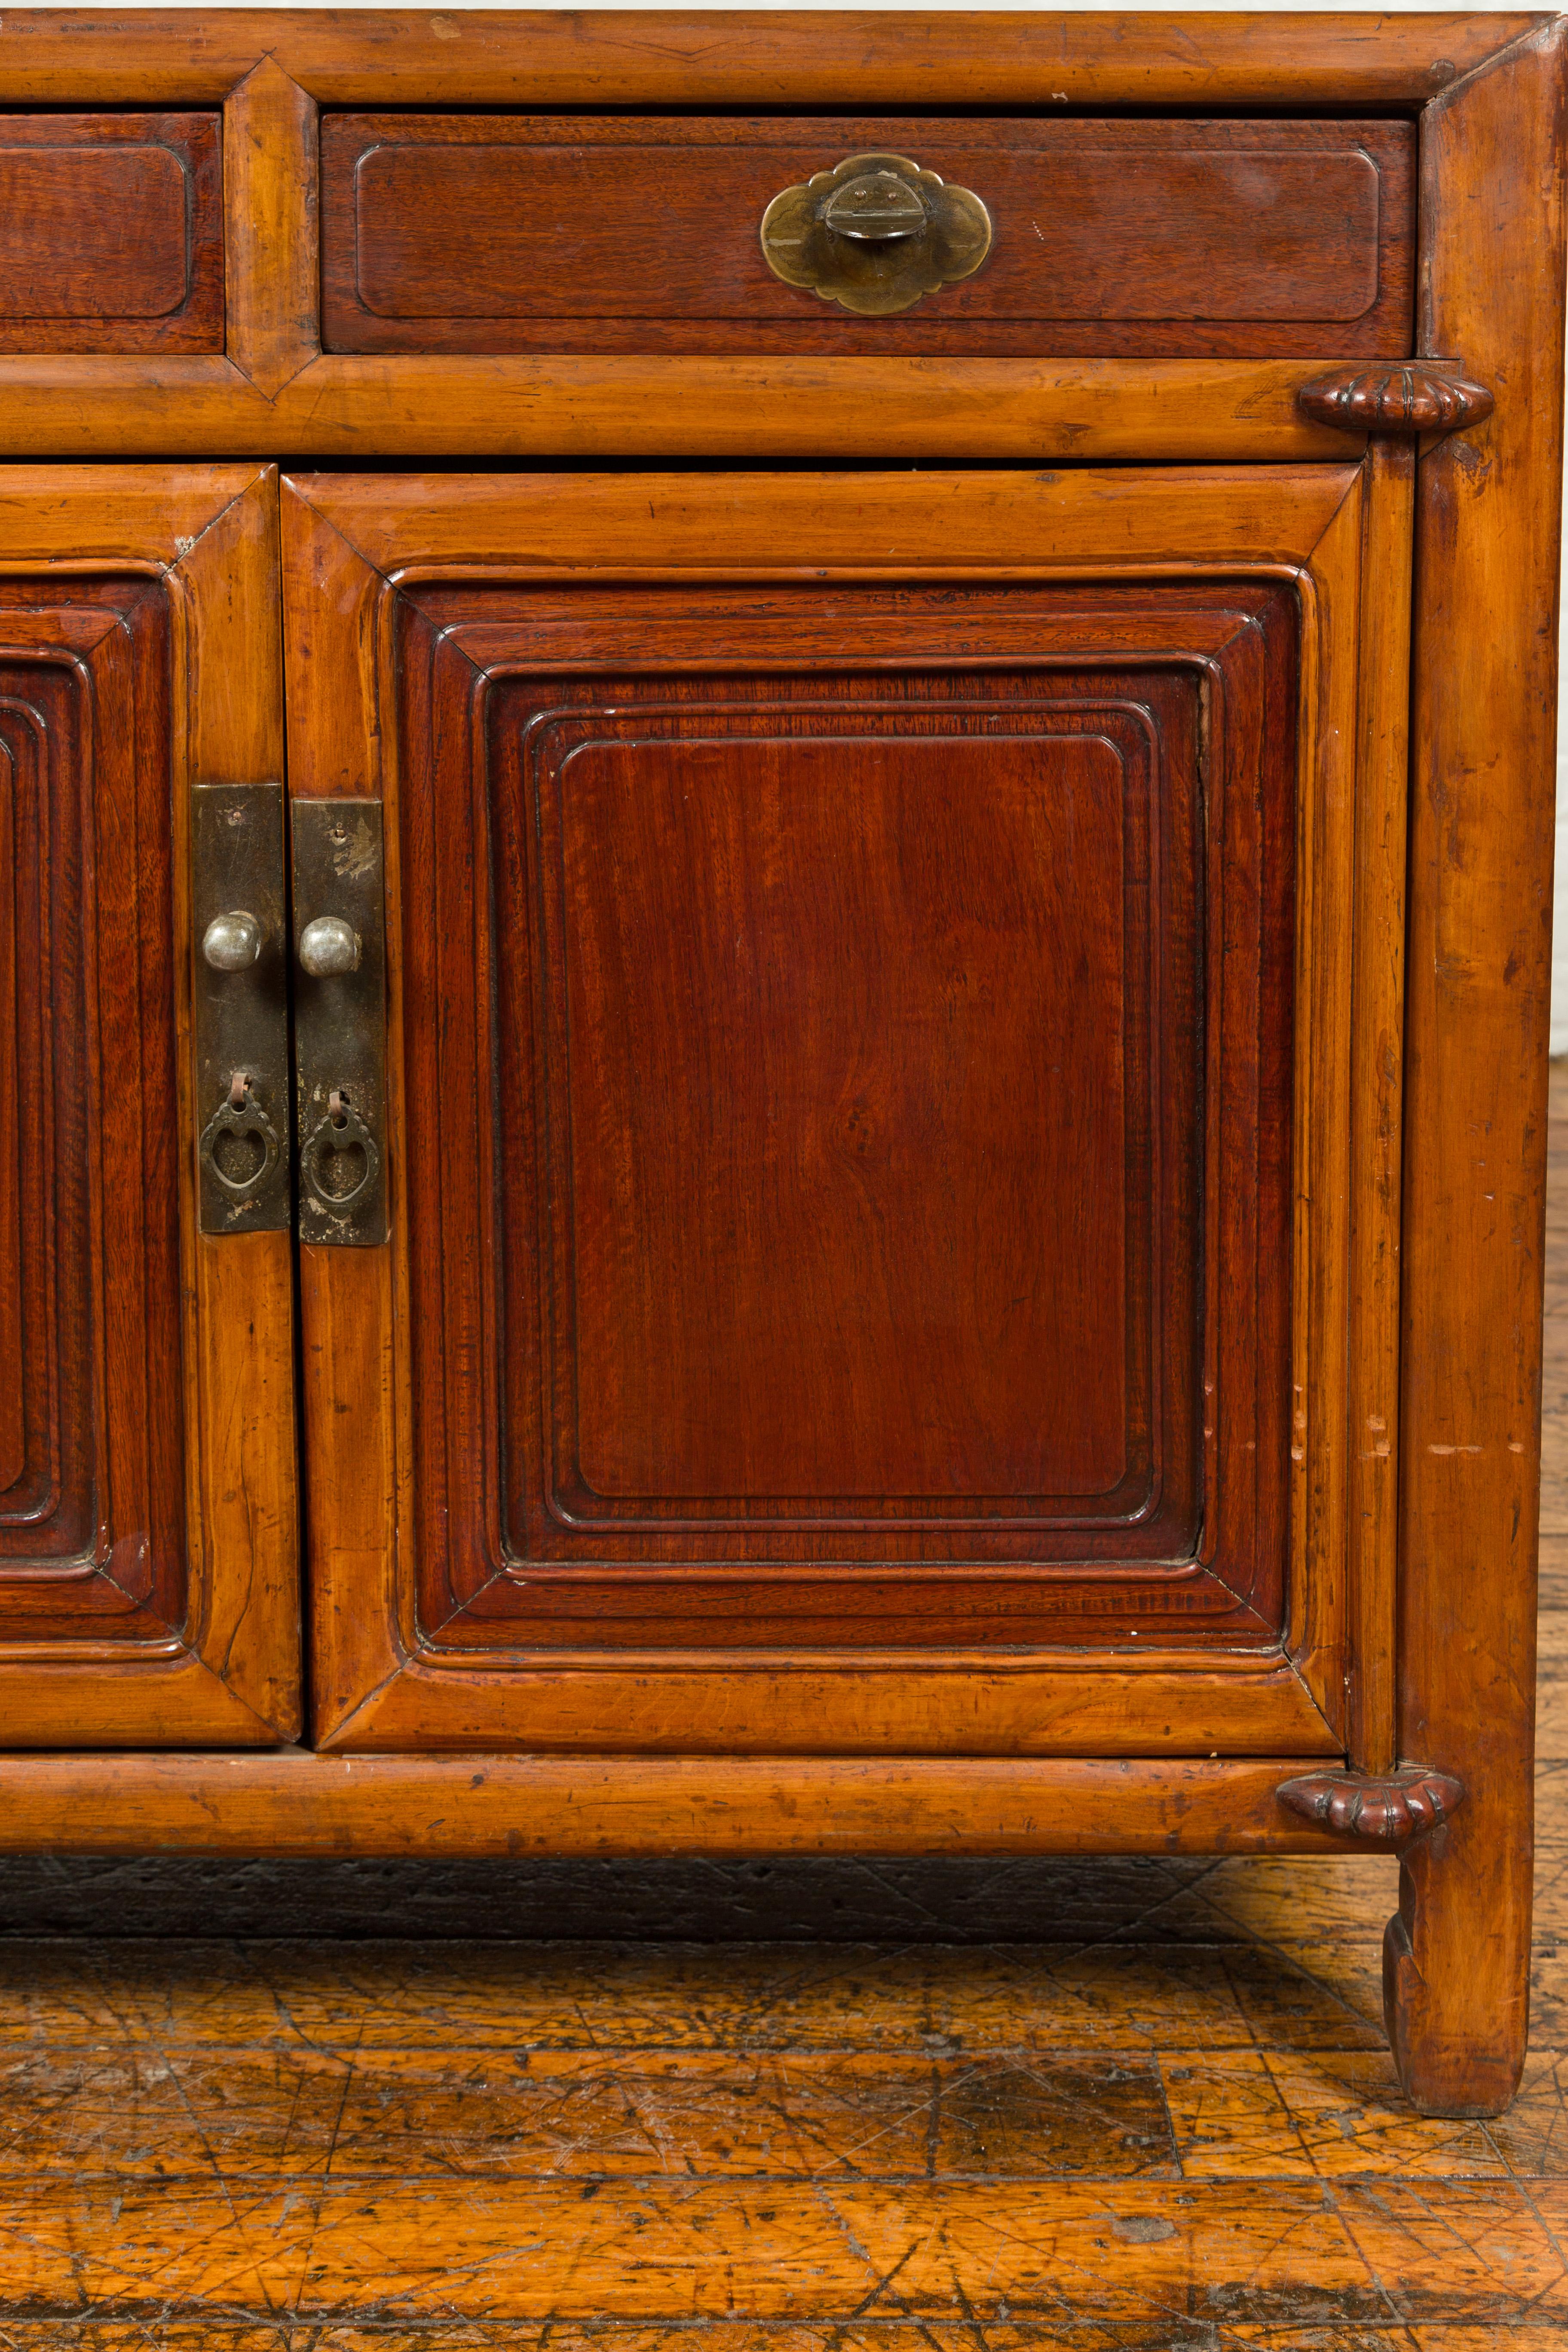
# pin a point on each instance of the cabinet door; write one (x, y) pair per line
(867, 1113)
(148, 1586)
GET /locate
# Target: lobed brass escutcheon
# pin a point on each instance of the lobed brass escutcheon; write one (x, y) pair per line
(875, 233)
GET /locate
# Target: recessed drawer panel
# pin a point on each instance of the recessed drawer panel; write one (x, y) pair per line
(598, 233)
(111, 233)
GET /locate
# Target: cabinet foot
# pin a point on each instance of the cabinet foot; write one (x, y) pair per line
(1455, 1983)
(1456, 1955)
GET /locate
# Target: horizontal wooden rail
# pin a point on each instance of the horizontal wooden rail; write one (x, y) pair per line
(626, 58)
(836, 411)
(290, 1801)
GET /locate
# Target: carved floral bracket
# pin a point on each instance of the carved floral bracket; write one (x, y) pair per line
(1387, 1807)
(1415, 397)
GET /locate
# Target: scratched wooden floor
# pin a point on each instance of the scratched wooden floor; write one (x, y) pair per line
(917, 2108)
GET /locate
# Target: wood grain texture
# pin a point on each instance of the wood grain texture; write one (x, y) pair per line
(1376, 1105)
(603, 232)
(1192, 2043)
(111, 233)
(1166, 2023)
(269, 209)
(375, 1692)
(201, 1639)
(1479, 976)
(1078, 519)
(1001, 412)
(1421, 397)
(661, 1395)
(90, 1532)
(749, 59)
(297, 1802)
(241, 1401)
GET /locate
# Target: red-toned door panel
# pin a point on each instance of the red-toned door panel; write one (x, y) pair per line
(846, 1064)
(865, 1259)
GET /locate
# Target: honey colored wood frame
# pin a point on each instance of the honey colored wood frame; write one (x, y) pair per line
(350, 543)
(229, 1674)
(1488, 93)
(274, 389)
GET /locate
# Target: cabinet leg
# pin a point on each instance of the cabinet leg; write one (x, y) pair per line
(1456, 1970)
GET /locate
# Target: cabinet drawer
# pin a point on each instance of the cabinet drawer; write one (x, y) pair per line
(111, 233)
(601, 234)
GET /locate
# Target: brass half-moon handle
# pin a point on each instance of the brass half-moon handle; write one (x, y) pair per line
(876, 234)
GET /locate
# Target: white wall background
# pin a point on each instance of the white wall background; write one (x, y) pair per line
(1388, 7)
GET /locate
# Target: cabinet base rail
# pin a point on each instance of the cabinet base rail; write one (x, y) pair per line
(291, 1801)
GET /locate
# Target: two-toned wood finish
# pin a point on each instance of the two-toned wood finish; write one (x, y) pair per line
(965, 1047)
(282, 79)
(476, 1581)
(148, 1552)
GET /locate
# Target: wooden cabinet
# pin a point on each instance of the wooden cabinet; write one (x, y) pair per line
(901, 1072)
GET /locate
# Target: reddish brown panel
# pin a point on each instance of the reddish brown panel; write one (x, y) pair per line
(13, 1324)
(92, 1508)
(847, 1002)
(111, 233)
(831, 1182)
(604, 234)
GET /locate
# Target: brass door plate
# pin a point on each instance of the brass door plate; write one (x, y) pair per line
(241, 1008)
(339, 1020)
(874, 235)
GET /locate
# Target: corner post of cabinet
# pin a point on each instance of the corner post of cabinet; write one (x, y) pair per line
(1377, 1054)
(1477, 1008)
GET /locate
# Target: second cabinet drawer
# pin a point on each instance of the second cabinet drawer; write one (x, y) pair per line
(485, 233)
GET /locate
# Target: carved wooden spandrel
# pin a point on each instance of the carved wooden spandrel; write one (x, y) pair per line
(1388, 1808)
(1420, 396)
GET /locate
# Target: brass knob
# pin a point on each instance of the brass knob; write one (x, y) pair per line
(232, 942)
(329, 947)
(874, 235)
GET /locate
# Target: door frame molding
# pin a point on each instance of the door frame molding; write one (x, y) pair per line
(351, 543)
(230, 1672)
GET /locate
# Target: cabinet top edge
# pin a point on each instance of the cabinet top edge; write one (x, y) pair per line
(783, 57)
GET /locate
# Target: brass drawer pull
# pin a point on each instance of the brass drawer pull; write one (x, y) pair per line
(876, 234)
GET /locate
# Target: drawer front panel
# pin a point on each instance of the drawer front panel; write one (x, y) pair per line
(590, 234)
(111, 233)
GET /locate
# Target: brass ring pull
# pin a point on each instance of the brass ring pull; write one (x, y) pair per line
(876, 234)
(339, 1158)
(239, 1146)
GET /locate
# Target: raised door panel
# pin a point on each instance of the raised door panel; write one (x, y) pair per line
(91, 1518)
(831, 1000)
(866, 1110)
(135, 1437)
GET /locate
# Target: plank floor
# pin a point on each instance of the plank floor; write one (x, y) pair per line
(1126, 2106)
